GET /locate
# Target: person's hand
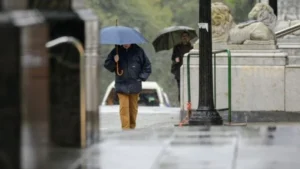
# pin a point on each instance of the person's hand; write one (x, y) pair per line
(177, 59)
(116, 58)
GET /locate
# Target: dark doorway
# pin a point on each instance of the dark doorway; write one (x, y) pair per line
(273, 4)
(10, 96)
(65, 79)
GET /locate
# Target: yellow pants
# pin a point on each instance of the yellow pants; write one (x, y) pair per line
(128, 110)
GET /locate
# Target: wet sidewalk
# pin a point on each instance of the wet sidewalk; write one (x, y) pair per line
(256, 146)
(157, 144)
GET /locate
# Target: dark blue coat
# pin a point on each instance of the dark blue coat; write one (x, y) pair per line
(135, 65)
(178, 51)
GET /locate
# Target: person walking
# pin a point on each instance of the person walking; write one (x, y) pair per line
(177, 57)
(131, 67)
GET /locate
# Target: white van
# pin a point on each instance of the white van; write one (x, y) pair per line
(152, 98)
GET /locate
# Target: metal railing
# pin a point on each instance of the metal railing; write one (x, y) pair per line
(215, 79)
(229, 80)
(287, 31)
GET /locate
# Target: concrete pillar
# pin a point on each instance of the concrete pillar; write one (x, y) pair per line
(24, 76)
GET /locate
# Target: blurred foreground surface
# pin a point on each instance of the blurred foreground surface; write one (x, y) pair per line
(258, 145)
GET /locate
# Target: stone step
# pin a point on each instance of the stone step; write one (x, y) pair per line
(294, 60)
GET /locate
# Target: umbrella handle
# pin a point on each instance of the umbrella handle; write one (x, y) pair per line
(117, 66)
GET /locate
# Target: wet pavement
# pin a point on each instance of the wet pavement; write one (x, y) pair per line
(157, 144)
(256, 146)
(111, 121)
(144, 120)
(38, 153)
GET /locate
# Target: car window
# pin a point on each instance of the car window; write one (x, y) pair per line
(147, 97)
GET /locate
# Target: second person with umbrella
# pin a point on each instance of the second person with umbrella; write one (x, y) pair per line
(178, 38)
(177, 57)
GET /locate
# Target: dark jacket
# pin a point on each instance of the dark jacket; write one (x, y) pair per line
(135, 65)
(178, 51)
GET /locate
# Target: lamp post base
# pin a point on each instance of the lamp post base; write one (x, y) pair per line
(205, 117)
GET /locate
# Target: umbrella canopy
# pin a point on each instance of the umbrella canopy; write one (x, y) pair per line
(171, 36)
(120, 35)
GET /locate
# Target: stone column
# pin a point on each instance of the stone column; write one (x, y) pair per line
(92, 73)
(288, 15)
(288, 10)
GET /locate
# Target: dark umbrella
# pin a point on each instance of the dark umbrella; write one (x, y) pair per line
(171, 36)
(120, 35)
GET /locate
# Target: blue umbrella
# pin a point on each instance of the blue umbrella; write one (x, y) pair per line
(120, 35)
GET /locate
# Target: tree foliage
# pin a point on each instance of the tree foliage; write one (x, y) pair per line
(240, 8)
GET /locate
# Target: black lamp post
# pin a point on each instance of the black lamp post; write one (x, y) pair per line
(206, 112)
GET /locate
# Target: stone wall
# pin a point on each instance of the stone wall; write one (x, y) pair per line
(258, 80)
(288, 10)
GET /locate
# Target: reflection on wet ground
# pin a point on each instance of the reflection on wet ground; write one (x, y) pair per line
(259, 147)
(38, 153)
